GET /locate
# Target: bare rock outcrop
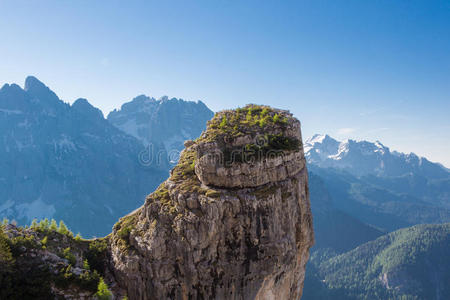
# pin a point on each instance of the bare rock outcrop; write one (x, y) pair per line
(233, 221)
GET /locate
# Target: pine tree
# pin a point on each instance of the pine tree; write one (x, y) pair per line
(34, 224)
(44, 224)
(103, 293)
(86, 265)
(53, 225)
(63, 228)
(5, 250)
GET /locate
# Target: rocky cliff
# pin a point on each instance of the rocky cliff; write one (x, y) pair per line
(233, 221)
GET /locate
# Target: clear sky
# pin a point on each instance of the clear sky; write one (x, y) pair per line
(375, 70)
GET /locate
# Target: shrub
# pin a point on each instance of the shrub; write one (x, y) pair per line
(69, 256)
(44, 225)
(264, 112)
(124, 232)
(126, 225)
(18, 242)
(96, 255)
(263, 121)
(34, 224)
(89, 280)
(224, 122)
(78, 237)
(276, 118)
(44, 242)
(248, 117)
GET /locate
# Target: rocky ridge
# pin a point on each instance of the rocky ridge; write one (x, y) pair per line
(201, 235)
(67, 162)
(198, 236)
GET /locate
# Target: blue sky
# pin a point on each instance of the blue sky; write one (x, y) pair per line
(376, 70)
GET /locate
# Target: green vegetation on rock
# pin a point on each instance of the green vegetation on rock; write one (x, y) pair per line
(272, 146)
(123, 229)
(247, 120)
(264, 123)
(25, 273)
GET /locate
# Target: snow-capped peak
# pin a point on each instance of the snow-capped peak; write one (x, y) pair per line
(319, 138)
(363, 157)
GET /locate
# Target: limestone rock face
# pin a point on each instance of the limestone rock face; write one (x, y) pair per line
(213, 168)
(237, 227)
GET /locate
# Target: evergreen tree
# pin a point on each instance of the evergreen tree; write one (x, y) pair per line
(103, 293)
(86, 265)
(5, 250)
(44, 224)
(34, 224)
(53, 225)
(63, 228)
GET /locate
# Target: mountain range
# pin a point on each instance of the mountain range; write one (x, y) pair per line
(388, 190)
(68, 162)
(363, 158)
(360, 193)
(165, 123)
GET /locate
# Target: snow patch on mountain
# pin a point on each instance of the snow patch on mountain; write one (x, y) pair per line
(164, 123)
(64, 143)
(37, 209)
(367, 158)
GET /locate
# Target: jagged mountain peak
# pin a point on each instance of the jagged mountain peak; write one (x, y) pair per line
(143, 99)
(337, 149)
(322, 140)
(39, 91)
(319, 138)
(147, 119)
(83, 106)
(361, 157)
(89, 159)
(32, 82)
(11, 87)
(165, 98)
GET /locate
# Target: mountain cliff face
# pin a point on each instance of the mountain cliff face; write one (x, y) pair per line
(164, 123)
(67, 162)
(233, 221)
